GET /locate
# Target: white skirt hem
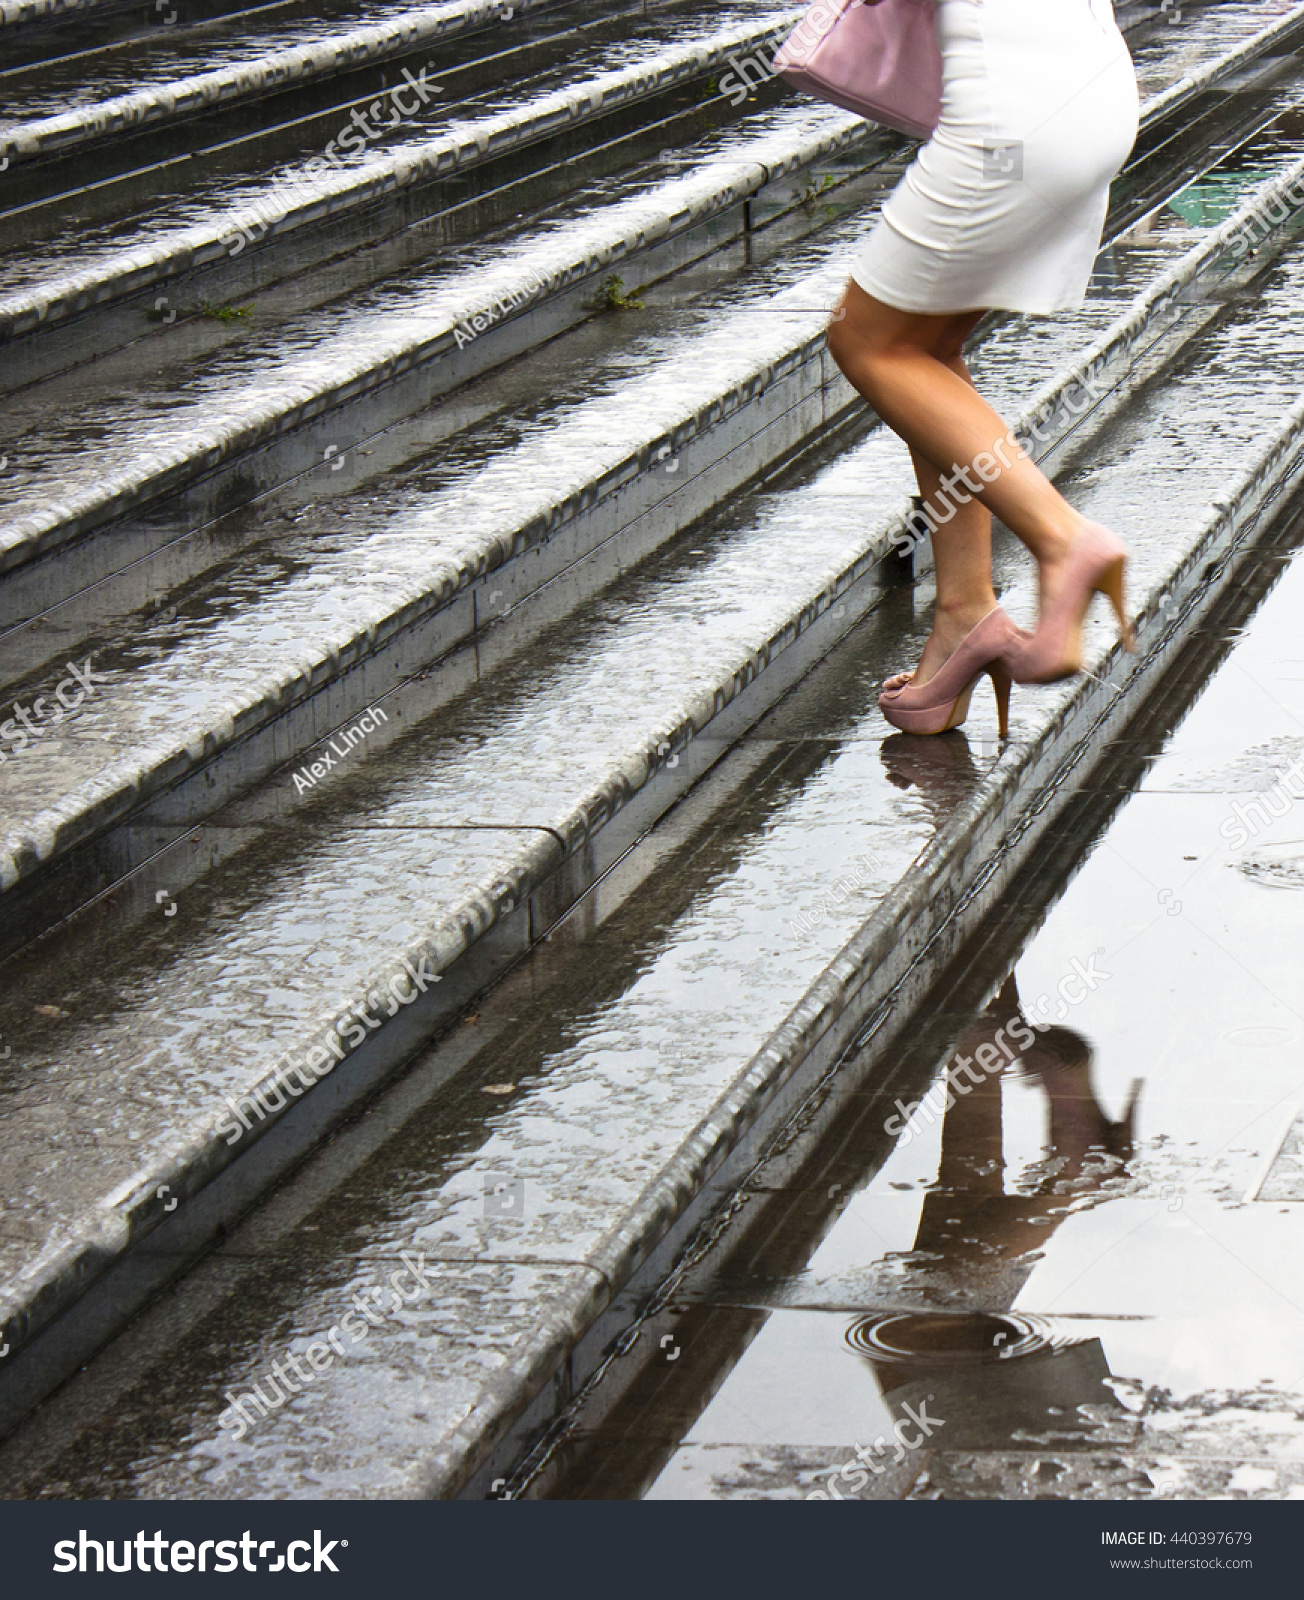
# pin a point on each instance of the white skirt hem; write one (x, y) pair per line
(1004, 207)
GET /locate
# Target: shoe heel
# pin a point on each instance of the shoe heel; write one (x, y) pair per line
(1111, 586)
(1001, 681)
(960, 708)
(943, 702)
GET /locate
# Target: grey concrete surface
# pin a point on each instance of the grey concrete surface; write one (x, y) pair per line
(678, 1116)
(396, 35)
(777, 373)
(1163, 1269)
(268, 214)
(367, 350)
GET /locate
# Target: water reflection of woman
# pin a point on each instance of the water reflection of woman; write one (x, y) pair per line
(976, 1245)
(968, 1218)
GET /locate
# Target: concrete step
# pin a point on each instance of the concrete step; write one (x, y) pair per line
(255, 410)
(475, 827)
(191, 709)
(454, 170)
(257, 224)
(656, 225)
(457, 567)
(222, 455)
(176, 80)
(42, 27)
(540, 1172)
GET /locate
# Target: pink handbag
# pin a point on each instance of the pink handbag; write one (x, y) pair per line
(881, 61)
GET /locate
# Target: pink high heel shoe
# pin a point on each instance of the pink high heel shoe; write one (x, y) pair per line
(943, 702)
(1095, 566)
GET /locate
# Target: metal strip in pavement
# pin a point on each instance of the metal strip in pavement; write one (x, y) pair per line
(1274, 1152)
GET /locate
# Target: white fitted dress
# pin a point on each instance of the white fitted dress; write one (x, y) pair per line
(1003, 207)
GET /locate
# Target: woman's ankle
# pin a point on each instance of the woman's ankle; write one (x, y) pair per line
(967, 608)
(1056, 541)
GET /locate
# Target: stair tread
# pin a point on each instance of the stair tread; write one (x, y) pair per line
(314, 49)
(82, 263)
(301, 605)
(552, 752)
(258, 388)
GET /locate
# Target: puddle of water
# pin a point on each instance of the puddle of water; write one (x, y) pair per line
(1081, 1254)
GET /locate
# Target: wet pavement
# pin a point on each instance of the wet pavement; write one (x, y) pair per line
(480, 86)
(1085, 1271)
(603, 1060)
(556, 1133)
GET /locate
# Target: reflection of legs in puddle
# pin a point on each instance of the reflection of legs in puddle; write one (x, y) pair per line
(1086, 1148)
(969, 1217)
(985, 1244)
(939, 766)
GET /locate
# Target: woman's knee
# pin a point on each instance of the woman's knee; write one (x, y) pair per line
(855, 340)
(867, 333)
(862, 361)
(860, 325)
(868, 356)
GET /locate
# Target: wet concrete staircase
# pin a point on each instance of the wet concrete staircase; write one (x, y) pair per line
(361, 634)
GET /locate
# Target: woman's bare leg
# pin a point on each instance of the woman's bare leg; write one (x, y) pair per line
(907, 366)
(962, 546)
